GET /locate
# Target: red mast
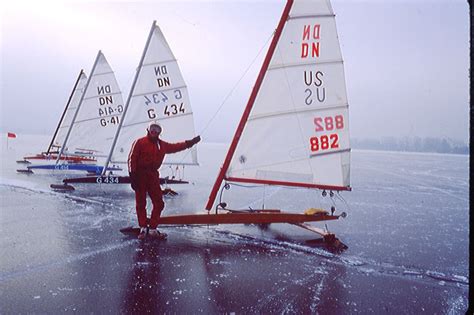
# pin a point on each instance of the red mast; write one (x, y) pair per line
(249, 106)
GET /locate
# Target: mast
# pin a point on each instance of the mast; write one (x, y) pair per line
(132, 88)
(65, 110)
(249, 106)
(78, 107)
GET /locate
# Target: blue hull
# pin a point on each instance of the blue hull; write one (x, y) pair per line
(75, 167)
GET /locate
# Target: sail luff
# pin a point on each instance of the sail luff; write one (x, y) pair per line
(250, 103)
(78, 107)
(129, 97)
(65, 110)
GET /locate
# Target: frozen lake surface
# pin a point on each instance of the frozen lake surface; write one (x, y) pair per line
(406, 231)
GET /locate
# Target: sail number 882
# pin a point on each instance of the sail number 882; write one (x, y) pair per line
(328, 123)
(324, 142)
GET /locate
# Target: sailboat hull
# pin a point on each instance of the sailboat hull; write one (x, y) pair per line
(245, 218)
(115, 180)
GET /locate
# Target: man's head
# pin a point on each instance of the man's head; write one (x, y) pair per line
(154, 130)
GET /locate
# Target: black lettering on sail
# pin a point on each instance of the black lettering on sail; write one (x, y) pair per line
(163, 82)
(104, 89)
(323, 97)
(151, 113)
(160, 70)
(106, 100)
(308, 99)
(308, 79)
(318, 81)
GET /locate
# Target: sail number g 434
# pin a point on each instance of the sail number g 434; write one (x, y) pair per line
(107, 180)
(173, 109)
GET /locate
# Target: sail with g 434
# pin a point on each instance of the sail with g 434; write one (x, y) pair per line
(158, 94)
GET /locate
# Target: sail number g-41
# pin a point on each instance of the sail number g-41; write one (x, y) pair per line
(326, 142)
(111, 120)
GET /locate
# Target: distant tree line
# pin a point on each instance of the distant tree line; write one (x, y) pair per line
(412, 144)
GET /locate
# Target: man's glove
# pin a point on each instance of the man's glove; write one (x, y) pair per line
(193, 141)
(133, 181)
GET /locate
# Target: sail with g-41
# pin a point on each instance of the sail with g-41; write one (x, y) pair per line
(94, 123)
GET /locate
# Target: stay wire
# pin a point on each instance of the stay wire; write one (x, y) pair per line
(343, 200)
(236, 84)
(231, 91)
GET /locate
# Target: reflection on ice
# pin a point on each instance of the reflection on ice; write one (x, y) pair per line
(406, 232)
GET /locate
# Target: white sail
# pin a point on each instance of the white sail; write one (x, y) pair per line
(160, 95)
(65, 123)
(297, 132)
(99, 112)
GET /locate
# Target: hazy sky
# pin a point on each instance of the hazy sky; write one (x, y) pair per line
(406, 62)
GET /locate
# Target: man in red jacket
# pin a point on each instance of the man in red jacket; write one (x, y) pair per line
(144, 160)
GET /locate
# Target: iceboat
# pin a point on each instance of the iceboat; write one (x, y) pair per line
(93, 124)
(50, 155)
(158, 94)
(294, 131)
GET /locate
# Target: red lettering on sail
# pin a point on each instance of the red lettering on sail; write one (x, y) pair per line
(328, 123)
(316, 31)
(306, 30)
(315, 50)
(324, 142)
(304, 50)
(310, 41)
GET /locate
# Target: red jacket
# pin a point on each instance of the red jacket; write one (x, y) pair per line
(146, 155)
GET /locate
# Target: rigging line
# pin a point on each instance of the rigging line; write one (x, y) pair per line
(343, 200)
(231, 91)
(235, 86)
(317, 199)
(332, 200)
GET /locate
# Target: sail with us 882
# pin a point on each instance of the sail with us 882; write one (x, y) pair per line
(158, 94)
(295, 128)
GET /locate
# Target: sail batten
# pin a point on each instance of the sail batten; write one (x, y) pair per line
(294, 111)
(147, 121)
(97, 74)
(311, 16)
(311, 63)
(163, 90)
(103, 95)
(331, 152)
(159, 62)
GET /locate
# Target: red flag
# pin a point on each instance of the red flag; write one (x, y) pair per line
(11, 135)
